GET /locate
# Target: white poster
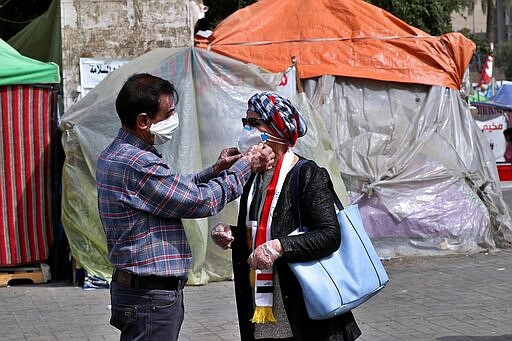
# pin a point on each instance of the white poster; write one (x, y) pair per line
(288, 85)
(93, 70)
(493, 131)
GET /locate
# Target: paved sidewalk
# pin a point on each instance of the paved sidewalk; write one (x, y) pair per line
(448, 298)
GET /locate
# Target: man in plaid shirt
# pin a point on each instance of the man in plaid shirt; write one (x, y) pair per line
(142, 200)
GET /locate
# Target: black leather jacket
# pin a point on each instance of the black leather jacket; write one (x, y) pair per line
(323, 238)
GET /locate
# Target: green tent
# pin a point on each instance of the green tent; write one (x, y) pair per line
(41, 39)
(18, 69)
(477, 96)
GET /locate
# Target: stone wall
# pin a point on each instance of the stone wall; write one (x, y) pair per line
(119, 29)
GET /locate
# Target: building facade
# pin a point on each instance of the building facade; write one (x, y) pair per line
(120, 29)
(476, 22)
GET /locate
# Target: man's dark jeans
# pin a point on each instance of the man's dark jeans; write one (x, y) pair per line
(143, 314)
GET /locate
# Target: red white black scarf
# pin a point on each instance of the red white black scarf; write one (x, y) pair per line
(260, 233)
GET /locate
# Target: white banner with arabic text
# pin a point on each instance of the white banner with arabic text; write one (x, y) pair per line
(493, 132)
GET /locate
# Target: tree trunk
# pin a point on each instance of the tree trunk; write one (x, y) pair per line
(491, 20)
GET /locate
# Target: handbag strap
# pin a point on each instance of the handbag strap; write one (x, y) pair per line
(296, 193)
(337, 200)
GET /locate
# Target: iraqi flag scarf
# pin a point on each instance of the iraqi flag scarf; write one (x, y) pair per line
(260, 232)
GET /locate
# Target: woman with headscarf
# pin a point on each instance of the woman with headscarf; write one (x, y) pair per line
(269, 298)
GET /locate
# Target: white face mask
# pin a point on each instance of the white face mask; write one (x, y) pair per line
(163, 130)
(249, 137)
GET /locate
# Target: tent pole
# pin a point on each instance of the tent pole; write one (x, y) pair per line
(297, 78)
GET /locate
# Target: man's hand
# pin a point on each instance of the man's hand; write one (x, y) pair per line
(222, 236)
(261, 157)
(227, 157)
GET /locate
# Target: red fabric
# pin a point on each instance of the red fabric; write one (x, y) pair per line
(486, 75)
(261, 233)
(26, 224)
(263, 277)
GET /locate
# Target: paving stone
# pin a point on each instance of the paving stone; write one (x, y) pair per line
(445, 298)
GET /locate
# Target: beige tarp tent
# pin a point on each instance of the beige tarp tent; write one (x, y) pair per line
(213, 93)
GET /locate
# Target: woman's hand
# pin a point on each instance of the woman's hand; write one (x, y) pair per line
(264, 256)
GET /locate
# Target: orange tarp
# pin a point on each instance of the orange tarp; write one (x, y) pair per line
(340, 37)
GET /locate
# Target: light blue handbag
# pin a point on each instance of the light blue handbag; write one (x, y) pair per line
(345, 279)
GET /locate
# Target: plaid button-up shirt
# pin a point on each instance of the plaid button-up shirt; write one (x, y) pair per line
(141, 201)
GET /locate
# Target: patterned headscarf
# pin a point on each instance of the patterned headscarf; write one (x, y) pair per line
(280, 114)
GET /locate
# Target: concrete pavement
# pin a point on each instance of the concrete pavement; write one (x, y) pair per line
(445, 298)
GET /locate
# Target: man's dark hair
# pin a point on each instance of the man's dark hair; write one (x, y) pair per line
(141, 93)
